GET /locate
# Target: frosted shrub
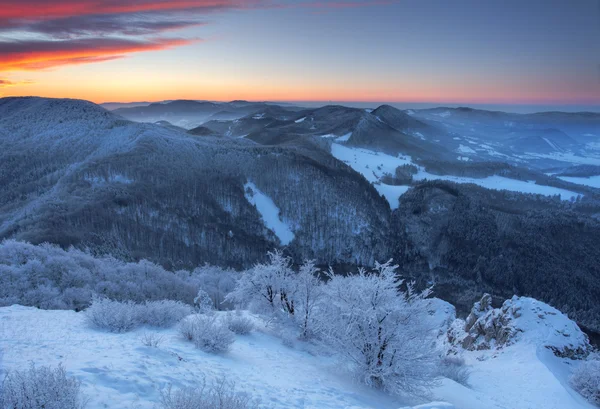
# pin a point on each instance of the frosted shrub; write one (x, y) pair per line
(151, 340)
(43, 387)
(267, 288)
(203, 303)
(116, 316)
(113, 316)
(381, 331)
(217, 283)
(219, 395)
(454, 367)
(586, 379)
(163, 313)
(239, 324)
(273, 289)
(48, 277)
(207, 333)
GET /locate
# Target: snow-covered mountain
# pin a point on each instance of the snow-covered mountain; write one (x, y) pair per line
(76, 174)
(190, 114)
(341, 185)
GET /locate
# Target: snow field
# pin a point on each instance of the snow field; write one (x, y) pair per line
(374, 165)
(269, 212)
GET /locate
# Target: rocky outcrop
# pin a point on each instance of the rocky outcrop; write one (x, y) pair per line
(520, 319)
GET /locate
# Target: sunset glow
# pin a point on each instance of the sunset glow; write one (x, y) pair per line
(148, 50)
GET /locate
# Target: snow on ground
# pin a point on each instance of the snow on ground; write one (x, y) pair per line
(374, 165)
(344, 138)
(269, 212)
(391, 193)
(523, 374)
(568, 157)
(518, 377)
(371, 164)
(502, 183)
(593, 181)
(552, 144)
(465, 149)
(118, 371)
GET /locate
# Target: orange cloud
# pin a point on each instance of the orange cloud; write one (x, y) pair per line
(35, 55)
(44, 9)
(69, 32)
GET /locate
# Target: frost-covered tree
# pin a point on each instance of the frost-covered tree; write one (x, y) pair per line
(217, 282)
(267, 287)
(308, 292)
(381, 330)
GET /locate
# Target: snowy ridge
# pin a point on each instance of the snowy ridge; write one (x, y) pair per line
(519, 355)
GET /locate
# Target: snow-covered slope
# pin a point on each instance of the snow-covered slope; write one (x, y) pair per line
(518, 355)
(593, 181)
(75, 174)
(270, 213)
(118, 371)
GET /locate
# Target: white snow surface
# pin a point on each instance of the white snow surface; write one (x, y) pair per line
(374, 165)
(117, 371)
(344, 138)
(525, 374)
(552, 144)
(465, 149)
(269, 212)
(593, 181)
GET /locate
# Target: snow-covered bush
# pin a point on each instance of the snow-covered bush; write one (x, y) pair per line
(217, 282)
(203, 303)
(117, 316)
(239, 324)
(267, 288)
(381, 331)
(207, 333)
(454, 367)
(219, 395)
(48, 277)
(164, 313)
(274, 289)
(586, 379)
(113, 316)
(43, 387)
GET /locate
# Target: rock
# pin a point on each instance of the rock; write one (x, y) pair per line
(519, 319)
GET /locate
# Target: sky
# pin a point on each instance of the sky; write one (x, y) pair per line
(526, 52)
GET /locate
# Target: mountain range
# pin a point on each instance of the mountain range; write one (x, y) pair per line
(464, 199)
